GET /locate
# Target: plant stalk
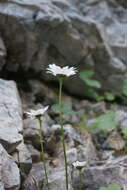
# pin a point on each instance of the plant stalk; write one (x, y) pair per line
(62, 129)
(42, 151)
(80, 176)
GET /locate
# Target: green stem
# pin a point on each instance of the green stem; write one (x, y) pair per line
(62, 129)
(80, 175)
(42, 151)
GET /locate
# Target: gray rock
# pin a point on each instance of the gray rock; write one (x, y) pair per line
(121, 117)
(118, 143)
(70, 133)
(57, 179)
(93, 108)
(3, 54)
(87, 151)
(9, 172)
(35, 154)
(53, 143)
(2, 186)
(10, 115)
(31, 130)
(90, 34)
(78, 147)
(23, 158)
(36, 178)
(31, 134)
(1, 182)
(110, 173)
(72, 155)
(42, 92)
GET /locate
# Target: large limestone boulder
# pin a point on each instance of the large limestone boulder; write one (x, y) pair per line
(10, 116)
(85, 34)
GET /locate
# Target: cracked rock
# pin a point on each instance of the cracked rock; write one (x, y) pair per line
(10, 116)
(9, 172)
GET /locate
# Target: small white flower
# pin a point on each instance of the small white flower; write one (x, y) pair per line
(37, 113)
(79, 165)
(64, 71)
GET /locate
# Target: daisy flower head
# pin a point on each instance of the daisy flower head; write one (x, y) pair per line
(61, 71)
(79, 165)
(37, 113)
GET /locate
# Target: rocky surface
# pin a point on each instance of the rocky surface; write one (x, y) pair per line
(112, 172)
(36, 178)
(9, 172)
(90, 34)
(22, 157)
(105, 164)
(10, 116)
(31, 132)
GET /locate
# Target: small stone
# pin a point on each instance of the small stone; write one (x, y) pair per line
(87, 152)
(96, 108)
(114, 141)
(71, 155)
(35, 154)
(55, 162)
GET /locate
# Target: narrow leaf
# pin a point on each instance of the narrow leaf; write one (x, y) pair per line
(86, 74)
(92, 83)
(90, 93)
(124, 89)
(56, 108)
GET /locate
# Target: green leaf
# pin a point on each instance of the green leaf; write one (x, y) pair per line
(109, 96)
(83, 124)
(103, 188)
(65, 108)
(86, 77)
(56, 108)
(90, 93)
(93, 83)
(114, 187)
(87, 74)
(124, 130)
(124, 89)
(106, 121)
(111, 187)
(100, 98)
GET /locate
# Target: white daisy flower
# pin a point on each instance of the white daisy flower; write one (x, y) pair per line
(64, 71)
(37, 113)
(79, 165)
